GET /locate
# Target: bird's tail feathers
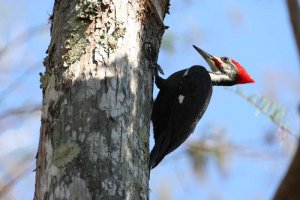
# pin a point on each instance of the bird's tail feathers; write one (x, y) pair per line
(159, 151)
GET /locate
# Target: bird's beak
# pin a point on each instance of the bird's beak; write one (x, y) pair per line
(208, 58)
(204, 54)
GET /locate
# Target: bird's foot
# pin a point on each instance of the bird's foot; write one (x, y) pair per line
(159, 82)
(158, 69)
(151, 54)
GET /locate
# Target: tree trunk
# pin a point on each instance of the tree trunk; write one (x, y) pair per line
(294, 13)
(289, 187)
(97, 98)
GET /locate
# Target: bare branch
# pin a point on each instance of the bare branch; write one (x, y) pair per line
(17, 82)
(20, 111)
(19, 170)
(7, 186)
(22, 38)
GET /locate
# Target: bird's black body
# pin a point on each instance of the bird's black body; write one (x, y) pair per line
(183, 99)
(180, 103)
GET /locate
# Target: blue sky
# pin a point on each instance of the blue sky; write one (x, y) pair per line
(255, 33)
(258, 35)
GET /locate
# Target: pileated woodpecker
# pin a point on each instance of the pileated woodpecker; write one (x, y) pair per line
(183, 99)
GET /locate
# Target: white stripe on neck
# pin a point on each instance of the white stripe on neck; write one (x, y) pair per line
(217, 78)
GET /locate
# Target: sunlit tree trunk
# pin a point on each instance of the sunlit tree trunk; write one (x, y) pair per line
(97, 97)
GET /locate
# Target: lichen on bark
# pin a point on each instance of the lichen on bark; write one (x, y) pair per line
(65, 154)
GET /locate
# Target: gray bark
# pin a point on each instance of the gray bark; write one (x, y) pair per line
(97, 98)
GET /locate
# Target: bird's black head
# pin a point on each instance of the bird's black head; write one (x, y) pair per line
(225, 71)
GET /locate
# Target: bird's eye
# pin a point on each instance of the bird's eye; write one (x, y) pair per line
(225, 59)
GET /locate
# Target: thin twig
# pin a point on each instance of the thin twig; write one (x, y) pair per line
(19, 169)
(22, 38)
(264, 112)
(17, 82)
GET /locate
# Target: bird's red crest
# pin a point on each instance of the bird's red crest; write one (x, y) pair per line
(243, 76)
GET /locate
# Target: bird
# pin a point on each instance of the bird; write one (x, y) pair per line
(184, 97)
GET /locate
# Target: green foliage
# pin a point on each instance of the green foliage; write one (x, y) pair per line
(212, 146)
(168, 42)
(266, 107)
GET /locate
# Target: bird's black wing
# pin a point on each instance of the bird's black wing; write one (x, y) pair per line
(164, 102)
(182, 107)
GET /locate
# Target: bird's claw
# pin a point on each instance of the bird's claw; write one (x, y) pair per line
(158, 69)
(151, 53)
